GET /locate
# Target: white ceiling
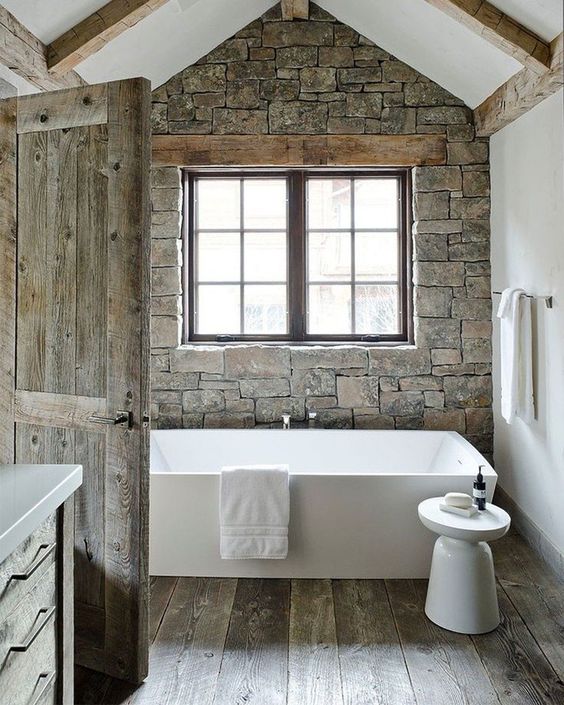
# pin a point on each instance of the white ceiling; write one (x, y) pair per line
(182, 31)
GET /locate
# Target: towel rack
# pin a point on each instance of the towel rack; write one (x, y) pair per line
(547, 299)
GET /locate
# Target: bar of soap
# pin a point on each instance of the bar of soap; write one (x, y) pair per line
(461, 511)
(458, 499)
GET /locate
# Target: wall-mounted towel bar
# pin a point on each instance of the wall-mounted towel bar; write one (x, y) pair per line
(547, 299)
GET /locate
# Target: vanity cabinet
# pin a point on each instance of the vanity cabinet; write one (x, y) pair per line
(36, 623)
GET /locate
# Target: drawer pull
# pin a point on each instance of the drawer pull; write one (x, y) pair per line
(49, 548)
(48, 612)
(49, 678)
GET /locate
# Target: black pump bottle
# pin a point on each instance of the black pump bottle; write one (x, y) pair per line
(479, 490)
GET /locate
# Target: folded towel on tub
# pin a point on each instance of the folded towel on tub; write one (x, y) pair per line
(254, 510)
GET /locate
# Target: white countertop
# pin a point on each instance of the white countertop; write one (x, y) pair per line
(28, 495)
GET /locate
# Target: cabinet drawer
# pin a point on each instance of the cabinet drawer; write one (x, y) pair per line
(28, 673)
(29, 562)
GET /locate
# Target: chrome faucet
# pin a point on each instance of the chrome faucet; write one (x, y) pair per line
(286, 422)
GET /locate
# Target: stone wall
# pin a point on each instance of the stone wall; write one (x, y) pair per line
(320, 77)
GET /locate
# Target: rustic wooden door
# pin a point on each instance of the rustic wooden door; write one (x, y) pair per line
(74, 336)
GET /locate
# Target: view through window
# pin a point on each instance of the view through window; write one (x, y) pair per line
(299, 255)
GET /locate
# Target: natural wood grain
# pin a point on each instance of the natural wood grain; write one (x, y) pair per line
(127, 468)
(444, 666)
(8, 220)
(500, 30)
(520, 93)
(161, 591)
(75, 107)
(93, 33)
(373, 669)
(65, 600)
(83, 343)
(186, 655)
(256, 673)
(62, 410)
(313, 662)
(23, 53)
(294, 150)
(295, 9)
(537, 594)
(516, 664)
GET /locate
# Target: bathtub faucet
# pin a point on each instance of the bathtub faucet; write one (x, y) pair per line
(286, 421)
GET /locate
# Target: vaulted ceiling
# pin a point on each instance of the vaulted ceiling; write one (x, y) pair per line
(181, 31)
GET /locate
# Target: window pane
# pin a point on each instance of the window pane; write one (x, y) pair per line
(265, 309)
(218, 204)
(265, 257)
(376, 203)
(329, 309)
(376, 309)
(329, 203)
(218, 257)
(218, 309)
(376, 256)
(329, 256)
(265, 203)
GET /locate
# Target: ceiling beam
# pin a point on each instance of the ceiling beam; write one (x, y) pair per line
(93, 33)
(520, 93)
(295, 9)
(24, 54)
(499, 29)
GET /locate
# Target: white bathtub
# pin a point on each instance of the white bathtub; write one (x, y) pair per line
(353, 499)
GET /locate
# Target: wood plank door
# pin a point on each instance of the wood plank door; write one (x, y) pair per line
(74, 330)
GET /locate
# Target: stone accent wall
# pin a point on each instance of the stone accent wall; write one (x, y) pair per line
(320, 77)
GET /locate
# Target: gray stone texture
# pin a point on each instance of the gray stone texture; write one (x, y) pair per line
(321, 77)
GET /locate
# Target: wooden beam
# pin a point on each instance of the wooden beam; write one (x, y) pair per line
(295, 9)
(93, 33)
(520, 93)
(23, 53)
(298, 150)
(499, 29)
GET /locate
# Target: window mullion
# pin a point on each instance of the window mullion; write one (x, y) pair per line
(296, 237)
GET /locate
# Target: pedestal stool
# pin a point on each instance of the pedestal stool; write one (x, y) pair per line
(462, 593)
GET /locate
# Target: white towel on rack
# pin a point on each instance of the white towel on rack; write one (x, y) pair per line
(516, 342)
(254, 511)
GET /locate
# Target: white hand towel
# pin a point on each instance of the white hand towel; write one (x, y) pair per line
(254, 508)
(516, 356)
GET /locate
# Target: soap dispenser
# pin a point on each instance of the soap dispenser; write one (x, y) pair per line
(479, 490)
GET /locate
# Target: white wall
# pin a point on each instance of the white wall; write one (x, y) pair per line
(527, 165)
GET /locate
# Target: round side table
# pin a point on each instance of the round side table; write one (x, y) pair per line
(462, 594)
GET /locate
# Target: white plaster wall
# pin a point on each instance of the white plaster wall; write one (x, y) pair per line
(527, 247)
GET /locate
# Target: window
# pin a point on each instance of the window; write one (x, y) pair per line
(298, 255)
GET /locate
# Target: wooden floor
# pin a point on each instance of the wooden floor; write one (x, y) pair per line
(345, 642)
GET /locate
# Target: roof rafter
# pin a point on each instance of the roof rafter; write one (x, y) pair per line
(295, 9)
(93, 33)
(520, 93)
(499, 29)
(23, 53)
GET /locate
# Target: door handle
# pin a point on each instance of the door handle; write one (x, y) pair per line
(122, 418)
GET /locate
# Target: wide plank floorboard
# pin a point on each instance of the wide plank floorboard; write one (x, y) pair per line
(444, 666)
(344, 642)
(314, 670)
(255, 658)
(373, 668)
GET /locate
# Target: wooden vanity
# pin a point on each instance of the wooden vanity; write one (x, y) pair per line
(36, 583)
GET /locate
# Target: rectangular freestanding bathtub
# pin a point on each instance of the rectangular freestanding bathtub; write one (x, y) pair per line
(353, 499)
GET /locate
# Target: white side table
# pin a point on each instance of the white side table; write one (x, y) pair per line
(462, 594)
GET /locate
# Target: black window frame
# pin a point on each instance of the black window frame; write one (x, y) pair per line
(297, 257)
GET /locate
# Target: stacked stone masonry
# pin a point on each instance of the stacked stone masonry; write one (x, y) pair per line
(319, 77)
